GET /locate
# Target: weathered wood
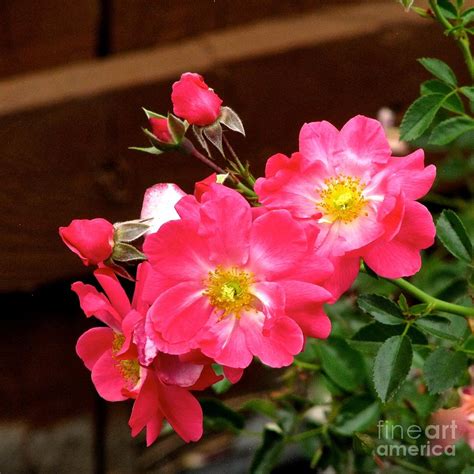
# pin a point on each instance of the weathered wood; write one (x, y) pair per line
(202, 53)
(136, 24)
(44, 33)
(70, 160)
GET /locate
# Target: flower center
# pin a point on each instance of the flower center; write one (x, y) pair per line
(342, 198)
(129, 368)
(229, 290)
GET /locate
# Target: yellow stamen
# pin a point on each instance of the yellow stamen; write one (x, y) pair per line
(342, 198)
(229, 291)
(129, 368)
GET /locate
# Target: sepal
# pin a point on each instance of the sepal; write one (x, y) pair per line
(127, 253)
(214, 134)
(231, 120)
(130, 230)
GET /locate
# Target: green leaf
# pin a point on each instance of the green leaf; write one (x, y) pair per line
(363, 443)
(453, 235)
(269, 451)
(378, 332)
(420, 115)
(451, 328)
(264, 407)
(450, 129)
(218, 416)
(468, 91)
(448, 10)
(126, 253)
(316, 457)
(443, 369)
(357, 414)
(467, 16)
(224, 384)
(434, 86)
(440, 70)
(341, 363)
(392, 365)
(452, 102)
(381, 308)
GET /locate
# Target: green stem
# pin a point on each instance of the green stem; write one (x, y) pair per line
(305, 435)
(306, 365)
(436, 303)
(246, 191)
(244, 172)
(420, 295)
(412, 467)
(189, 148)
(462, 40)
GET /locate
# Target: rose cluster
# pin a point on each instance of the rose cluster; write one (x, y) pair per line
(222, 279)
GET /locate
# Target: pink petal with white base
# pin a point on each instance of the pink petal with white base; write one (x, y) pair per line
(364, 138)
(158, 204)
(318, 140)
(227, 233)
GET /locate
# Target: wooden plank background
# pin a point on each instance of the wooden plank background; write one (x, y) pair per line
(65, 133)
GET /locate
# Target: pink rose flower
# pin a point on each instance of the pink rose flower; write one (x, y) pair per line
(122, 369)
(91, 239)
(361, 198)
(194, 101)
(159, 128)
(234, 282)
(458, 422)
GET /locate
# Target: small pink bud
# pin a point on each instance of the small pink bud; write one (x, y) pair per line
(159, 128)
(91, 239)
(194, 101)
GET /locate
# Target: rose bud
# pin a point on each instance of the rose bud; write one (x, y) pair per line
(91, 239)
(194, 101)
(159, 128)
